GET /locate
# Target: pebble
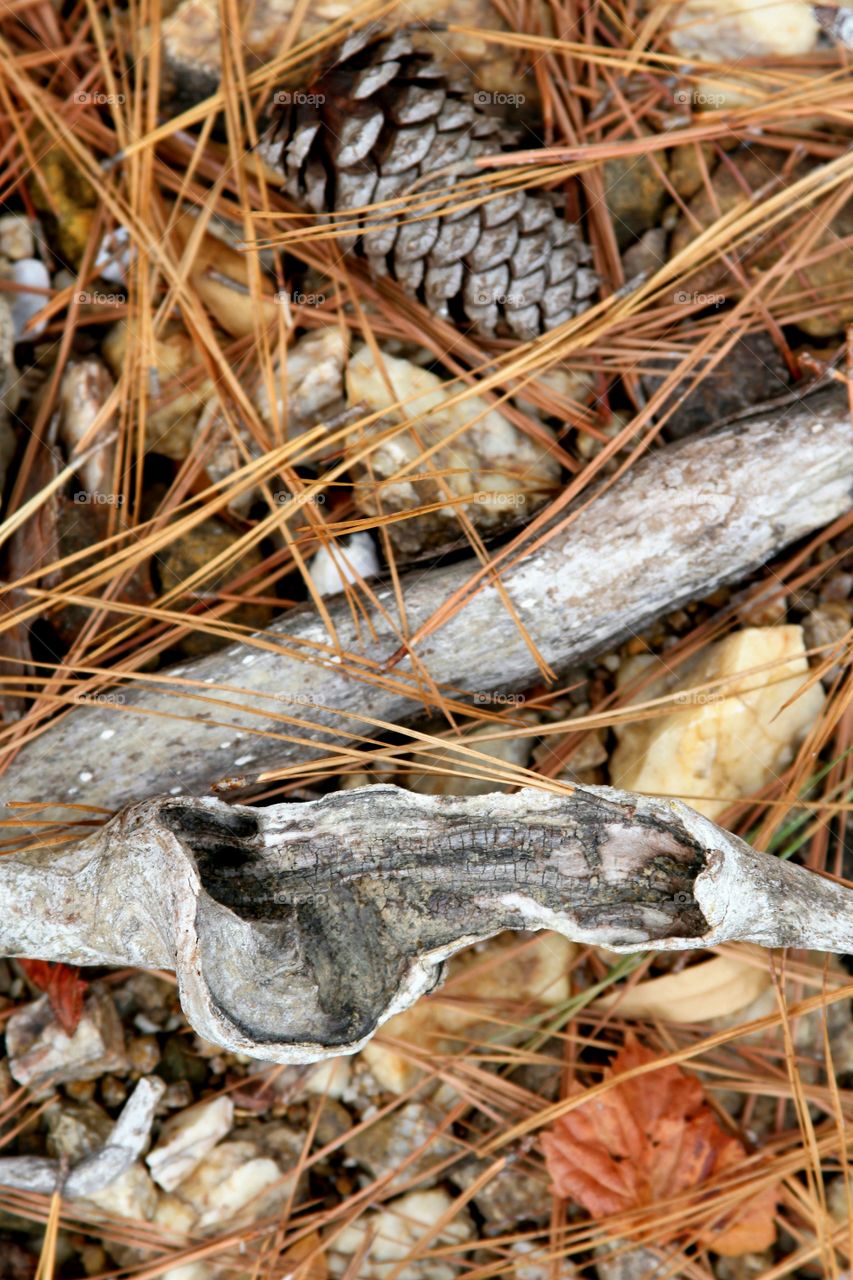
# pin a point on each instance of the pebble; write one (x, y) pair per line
(177, 1095)
(144, 993)
(93, 1258)
(236, 1182)
(749, 1266)
(383, 1146)
(728, 30)
(484, 454)
(187, 1138)
(646, 256)
(33, 275)
(113, 1091)
(176, 398)
(331, 1078)
(514, 1194)
(529, 1261)
(332, 1123)
(357, 556)
(751, 372)
(188, 555)
(621, 1260)
(395, 1231)
(76, 1131)
(133, 1195)
(635, 193)
(308, 392)
(83, 390)
(765, 608)
(17, 239)
(828, 623)
(81, 1090)
(40, 1052)
(112, 261)
(715, 749)
(143, 1054)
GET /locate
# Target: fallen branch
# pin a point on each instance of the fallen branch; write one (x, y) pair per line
(296, 930)
(95, 1172)
(699, 513)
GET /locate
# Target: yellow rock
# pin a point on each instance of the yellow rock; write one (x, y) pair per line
(478, 453)
(713, 989)
(726, 742)
(72, 204)
(177, 397)
(502, 976)
(728, 30)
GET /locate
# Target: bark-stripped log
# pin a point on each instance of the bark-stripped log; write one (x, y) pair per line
(296, 930)
(685, 519)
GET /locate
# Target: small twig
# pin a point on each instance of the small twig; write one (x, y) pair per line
(95, 1172)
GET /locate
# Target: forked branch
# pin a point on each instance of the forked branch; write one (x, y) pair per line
(296, 930)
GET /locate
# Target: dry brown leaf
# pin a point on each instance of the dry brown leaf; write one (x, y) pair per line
(64, 988)
(647, 1140)
(712, 989)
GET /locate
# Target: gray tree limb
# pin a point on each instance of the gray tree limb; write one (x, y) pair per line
(698, 513)
(296, 930)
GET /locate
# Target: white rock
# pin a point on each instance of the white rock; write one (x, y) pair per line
(186, 1139)
(728, 30)
(330, 1078)
(308, 393)
(83, 390)
(479, 452)
(731, 31)
(40, 1052)
(535, 1262)
(727, 742)
(481, 978)
(33, 275)
(313, 387)
(232, 1179)
(133, 1195)
(330, 569)
(173, 1215)
(112, 261)
(16, 237)
(396, 1230)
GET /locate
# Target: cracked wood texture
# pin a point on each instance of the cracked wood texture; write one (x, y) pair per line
(296, 930)
(701, 512)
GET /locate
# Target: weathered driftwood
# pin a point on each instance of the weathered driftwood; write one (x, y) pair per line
(698, 513)
(95, 1172)
(296, 930)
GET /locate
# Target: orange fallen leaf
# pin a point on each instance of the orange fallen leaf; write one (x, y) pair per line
(64, 988)
(649, 1139)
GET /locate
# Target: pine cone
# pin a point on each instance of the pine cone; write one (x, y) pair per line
(377, 120)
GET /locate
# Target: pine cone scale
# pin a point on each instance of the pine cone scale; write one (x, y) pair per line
(384, 118)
